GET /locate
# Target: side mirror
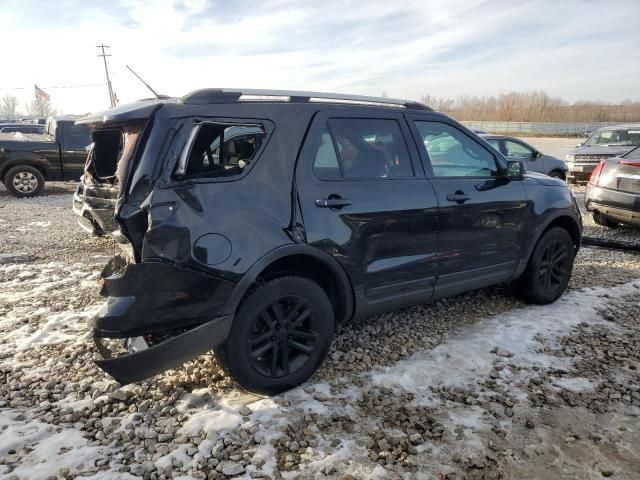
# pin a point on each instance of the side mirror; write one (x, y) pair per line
(578, 144)
(539, 154)
(515, 169)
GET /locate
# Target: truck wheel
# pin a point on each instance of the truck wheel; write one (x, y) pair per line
(604, 221)
(280, 336)
(24, 181)
(550, 266)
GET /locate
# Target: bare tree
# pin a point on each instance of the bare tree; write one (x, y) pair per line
(41, 107)
(533, 107)
(9, 106)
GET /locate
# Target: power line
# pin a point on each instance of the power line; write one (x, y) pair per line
(104, 56)
(57, 86)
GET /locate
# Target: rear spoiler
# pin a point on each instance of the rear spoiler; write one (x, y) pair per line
(139, 110)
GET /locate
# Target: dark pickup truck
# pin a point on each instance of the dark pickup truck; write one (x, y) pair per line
(28, 160)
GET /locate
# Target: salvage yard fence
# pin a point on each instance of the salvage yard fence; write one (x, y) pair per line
(538, 128)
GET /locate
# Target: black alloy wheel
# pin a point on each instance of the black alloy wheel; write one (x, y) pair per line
(550, 266)
(283, 336)
(554, 266)
(280, 335)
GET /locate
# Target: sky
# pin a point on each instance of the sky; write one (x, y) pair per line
(574, 49)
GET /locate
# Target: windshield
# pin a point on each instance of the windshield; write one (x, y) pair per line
(615, 137)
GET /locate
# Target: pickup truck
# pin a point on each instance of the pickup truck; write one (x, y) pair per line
(28, 160)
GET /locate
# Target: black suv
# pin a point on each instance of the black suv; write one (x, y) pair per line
(253, 222)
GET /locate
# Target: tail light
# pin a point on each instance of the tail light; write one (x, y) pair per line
(627, 162)
(595, 175)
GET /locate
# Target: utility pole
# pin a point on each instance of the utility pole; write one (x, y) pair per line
(112, 97)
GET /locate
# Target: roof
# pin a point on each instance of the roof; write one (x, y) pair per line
(209, 96)
(621, 126)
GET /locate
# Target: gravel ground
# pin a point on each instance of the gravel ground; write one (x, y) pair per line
(476, 386)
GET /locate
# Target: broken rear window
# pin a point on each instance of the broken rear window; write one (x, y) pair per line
(220, 150)
(112, 148)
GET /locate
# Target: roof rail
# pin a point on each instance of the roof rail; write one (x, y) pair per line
(232, 95)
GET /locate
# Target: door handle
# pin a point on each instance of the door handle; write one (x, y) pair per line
(332, 203)
(459, 197)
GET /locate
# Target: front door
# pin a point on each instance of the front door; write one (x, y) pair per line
(519, 151)
(365, 200)
(483, 215)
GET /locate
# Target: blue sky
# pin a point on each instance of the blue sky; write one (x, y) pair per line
(569, 48)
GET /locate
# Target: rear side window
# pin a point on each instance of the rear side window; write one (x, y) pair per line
(454, 154)
(362, 148)
(76, 137)
(220, 150)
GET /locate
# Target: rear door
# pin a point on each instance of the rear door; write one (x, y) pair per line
(365, 200)
(483, 215)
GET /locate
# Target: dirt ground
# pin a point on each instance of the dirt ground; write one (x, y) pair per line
(479, 386)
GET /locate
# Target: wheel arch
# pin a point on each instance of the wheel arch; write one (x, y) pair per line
(564, 219)
(305, 261)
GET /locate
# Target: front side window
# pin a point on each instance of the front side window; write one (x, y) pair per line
(371, 148)
(495, 143)
(515, 149)
(454, 154)
(220, 150)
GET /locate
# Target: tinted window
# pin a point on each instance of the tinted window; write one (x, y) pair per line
(222, 150)
(76, 137)
(454, 154)
(371, 148)
(494, 143)
(515, 149)
(633, 154)
(325, 163)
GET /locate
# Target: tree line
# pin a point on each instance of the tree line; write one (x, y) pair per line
(41, 107)
(533, 107)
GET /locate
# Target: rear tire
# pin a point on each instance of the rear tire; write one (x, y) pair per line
(280, 336)
(604, 221)
(24, 181)
(549, 270)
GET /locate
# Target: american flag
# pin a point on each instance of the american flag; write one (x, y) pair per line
(41, 93)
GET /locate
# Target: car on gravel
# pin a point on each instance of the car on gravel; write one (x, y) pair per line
(533, 159)
(254, 222)
(613, 191)
(27, 160)
(606, 142)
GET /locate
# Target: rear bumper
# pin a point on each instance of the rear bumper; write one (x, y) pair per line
(168, 354)
(621, 206)
(180, 312)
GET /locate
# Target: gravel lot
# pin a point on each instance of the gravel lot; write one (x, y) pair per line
(476, 386)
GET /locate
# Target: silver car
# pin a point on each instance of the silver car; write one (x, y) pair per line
(535, 161)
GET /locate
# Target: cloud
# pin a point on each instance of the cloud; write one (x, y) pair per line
(445, 48)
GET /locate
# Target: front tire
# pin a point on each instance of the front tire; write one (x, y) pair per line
(24, 181)
(280, 336)
(550, 266)
(558, 174)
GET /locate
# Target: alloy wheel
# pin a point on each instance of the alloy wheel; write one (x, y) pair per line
(25, 182)
(282, 337)
(554, 266)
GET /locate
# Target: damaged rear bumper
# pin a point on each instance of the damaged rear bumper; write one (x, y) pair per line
(168, 354)
(174, 313)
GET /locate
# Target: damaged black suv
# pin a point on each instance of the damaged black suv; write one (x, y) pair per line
(252, 223)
